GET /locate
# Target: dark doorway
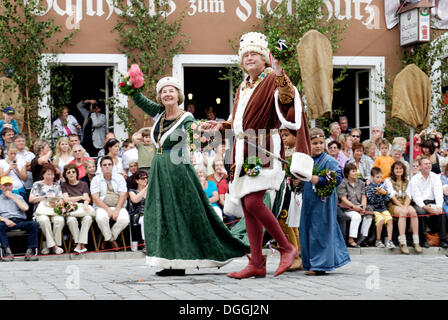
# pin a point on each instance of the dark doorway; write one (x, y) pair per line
(204, 86)
(87, 82)
(351, 98)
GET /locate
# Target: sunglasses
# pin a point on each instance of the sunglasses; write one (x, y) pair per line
(107, 165)
(355, 136)
(71, 172)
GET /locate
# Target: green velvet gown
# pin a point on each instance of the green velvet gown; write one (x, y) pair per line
(182, 229)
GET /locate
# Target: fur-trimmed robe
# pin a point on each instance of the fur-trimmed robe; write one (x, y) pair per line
(259, 110)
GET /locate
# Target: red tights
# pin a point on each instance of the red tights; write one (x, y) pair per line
(257, 216)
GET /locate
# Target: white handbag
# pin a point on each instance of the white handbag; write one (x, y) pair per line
(302, 166)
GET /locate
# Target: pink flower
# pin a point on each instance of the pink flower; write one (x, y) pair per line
(203, 139)
(195, 136)
(136, 76)
(193, 126)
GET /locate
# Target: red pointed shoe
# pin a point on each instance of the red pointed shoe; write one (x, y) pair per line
(287, 257)
(250, 271)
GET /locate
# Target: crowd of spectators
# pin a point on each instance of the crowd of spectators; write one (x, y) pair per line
(105, 186)
(407, 206)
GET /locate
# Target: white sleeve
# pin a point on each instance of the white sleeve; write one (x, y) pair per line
(297, 124)
(438, 190)
(389, 187)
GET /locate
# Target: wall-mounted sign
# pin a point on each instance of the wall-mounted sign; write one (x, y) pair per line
(415, 26)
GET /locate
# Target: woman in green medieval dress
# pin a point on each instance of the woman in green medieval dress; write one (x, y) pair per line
(181, 228)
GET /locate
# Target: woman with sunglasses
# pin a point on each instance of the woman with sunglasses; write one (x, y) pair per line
(76, 191)
(78, 152)
(137, 195)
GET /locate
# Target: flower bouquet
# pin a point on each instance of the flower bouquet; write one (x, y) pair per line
(252, 166)
(280, 48)
(328, 189)
(64, 209)
(198, 140)
(132, 82)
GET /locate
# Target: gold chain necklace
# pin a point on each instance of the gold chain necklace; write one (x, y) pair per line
(162, 129)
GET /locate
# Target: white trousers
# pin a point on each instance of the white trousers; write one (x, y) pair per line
(80, 235)
(355, 220)
(102, 220)
(52, 236)
(142, 227)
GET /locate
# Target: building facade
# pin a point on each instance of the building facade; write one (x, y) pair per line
(370, 50)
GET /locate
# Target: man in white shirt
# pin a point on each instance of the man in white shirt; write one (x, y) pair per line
(109, 193)
(426, 191)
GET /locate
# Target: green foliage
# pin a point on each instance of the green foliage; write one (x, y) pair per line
(149, 40)
(23, 38)
(306, 15)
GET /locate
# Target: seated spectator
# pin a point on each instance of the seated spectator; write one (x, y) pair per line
(199, 158)
(335, 131)
(8, 120)
(27, 156)
(444, 179)
(109, 195)
(417, 150)
(16, 169)
(43, 154)
(384, 161)
(352, 194)
(107, 137)
(426, 192)
(402, 143)
(76, 191)
(370, 150)
(62, 155)
(346, 145)
(219, 172)
(222, 191)
(356, 135)
(13, 216)
(378, 138)
(112, 149)
(138, 196)
(443, 163)
(90, 171)
(220, 149)
(211, 190)
(377, 198)
(416, 166)
(361, 161)
(400, 205)
(78, 152)
(131, 154)
(7, 137)
(397, 155)
(211, 114)
(65, 124)
(334, 150)
(73, 139)
(343, 123)
(45, 194)
(429, 150)
(130, 180)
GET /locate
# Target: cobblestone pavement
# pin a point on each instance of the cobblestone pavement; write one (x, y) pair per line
(125, 276)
